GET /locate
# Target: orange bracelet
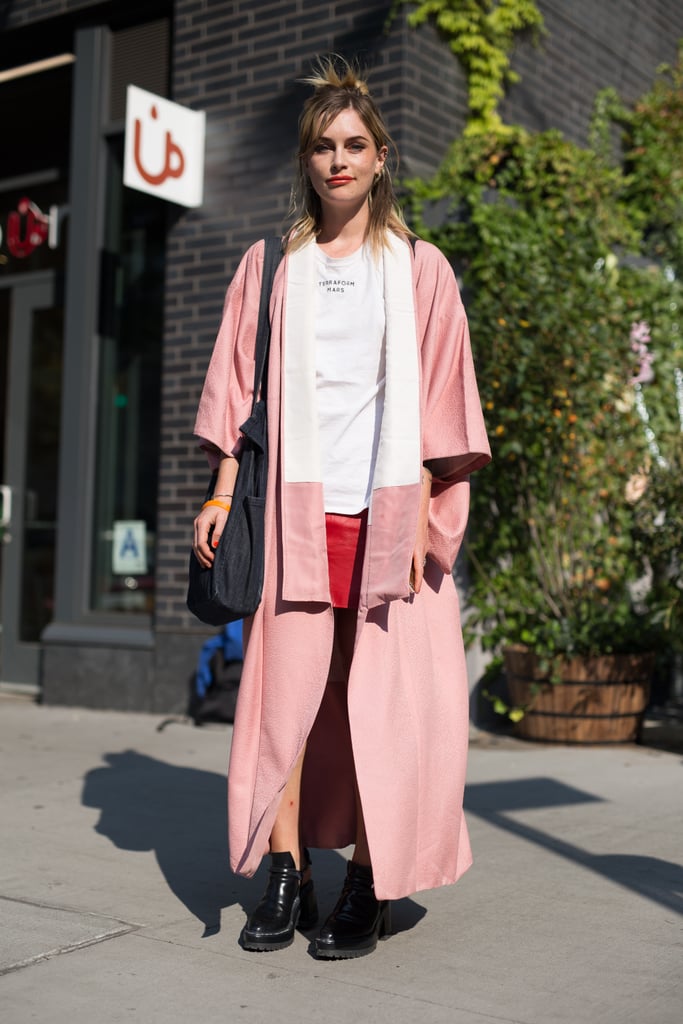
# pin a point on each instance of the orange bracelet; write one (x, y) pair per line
(220, 504)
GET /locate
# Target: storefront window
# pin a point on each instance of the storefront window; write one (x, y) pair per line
(126, 468)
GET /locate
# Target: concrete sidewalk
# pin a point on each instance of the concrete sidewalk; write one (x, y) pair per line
(117, 904)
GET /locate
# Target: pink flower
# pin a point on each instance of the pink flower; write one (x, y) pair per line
(645, 373)
(635, 488)
(640, 333)
(640, 339)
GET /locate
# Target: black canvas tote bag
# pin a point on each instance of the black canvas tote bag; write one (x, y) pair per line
(231, 589)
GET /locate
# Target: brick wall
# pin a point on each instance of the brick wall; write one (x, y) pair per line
(17, 13)
(588, 46)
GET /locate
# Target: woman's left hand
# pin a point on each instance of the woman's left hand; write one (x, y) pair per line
(421, 541)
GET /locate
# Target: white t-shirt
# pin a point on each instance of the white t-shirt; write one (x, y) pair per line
(350, 375)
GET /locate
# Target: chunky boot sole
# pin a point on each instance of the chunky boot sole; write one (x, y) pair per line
(266, 947)
(306, 918)
(263, 946)
(257, 942)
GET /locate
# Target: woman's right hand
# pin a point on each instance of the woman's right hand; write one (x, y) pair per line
(215, 513)
(210, 517)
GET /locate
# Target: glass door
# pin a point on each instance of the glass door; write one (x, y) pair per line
(31, 335)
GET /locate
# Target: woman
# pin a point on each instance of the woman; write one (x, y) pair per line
(352, 718)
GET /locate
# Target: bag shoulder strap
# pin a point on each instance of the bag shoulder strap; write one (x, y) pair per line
(271, 259)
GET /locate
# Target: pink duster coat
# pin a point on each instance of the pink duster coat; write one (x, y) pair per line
(404, 719)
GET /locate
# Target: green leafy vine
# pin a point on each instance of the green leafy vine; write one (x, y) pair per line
(481, 34)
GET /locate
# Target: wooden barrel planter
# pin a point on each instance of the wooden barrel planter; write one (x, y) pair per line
(598, 699)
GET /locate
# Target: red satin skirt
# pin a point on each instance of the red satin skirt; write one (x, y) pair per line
(345, 550)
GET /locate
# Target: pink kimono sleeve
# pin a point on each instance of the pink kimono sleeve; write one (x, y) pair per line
(454, 441)
(226, 397)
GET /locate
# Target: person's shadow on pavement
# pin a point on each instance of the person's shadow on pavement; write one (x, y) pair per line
(178, 812)
(181, 814)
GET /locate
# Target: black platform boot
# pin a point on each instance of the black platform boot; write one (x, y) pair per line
(285, 905)
(357, 921)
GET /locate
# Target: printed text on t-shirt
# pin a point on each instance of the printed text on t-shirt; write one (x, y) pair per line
(331, 285)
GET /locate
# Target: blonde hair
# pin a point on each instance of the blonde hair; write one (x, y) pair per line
(338, 86)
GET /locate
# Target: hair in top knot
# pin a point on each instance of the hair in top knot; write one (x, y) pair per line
(337, 73)
(338, 85)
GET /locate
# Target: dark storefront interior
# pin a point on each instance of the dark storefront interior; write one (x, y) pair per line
(81, 323)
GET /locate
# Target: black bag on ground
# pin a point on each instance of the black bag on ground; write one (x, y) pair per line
(231, 589)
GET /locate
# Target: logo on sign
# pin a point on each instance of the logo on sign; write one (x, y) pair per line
(164, 149)
(27, 228)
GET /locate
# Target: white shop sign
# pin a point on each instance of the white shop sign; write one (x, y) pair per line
(129, 548)
(164, 150)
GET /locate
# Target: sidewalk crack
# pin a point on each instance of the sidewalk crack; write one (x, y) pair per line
(125, 928)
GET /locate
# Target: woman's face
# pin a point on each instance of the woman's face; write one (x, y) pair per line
(344, 161)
